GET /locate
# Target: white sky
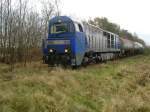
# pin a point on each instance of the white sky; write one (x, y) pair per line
(133, 15)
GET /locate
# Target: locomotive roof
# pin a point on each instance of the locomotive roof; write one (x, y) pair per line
(69, 19)
(61, 18)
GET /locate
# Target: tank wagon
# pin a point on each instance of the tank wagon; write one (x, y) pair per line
(75, 43)
(129, 47)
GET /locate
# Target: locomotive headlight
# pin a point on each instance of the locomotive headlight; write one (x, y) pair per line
(51, 50)
(66, 50)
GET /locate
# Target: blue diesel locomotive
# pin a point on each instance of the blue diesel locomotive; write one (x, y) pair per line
(74, 43)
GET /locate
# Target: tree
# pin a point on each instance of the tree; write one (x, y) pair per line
(48, 10)
(21, 30)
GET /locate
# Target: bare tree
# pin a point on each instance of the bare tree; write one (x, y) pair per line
(57, 7)
(48, 10)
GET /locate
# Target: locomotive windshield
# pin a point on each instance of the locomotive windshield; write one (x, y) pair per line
(59, 28)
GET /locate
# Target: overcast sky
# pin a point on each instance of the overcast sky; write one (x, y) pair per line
(133, 15)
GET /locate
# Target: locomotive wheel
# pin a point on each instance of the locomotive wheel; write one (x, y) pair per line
(98, 59)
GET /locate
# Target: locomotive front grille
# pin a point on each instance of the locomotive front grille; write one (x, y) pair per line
(61, 58)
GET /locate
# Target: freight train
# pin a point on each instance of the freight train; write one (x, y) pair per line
(76, 43)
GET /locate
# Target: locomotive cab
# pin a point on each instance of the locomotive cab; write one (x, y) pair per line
(64, 44)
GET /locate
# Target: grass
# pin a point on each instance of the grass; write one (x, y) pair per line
(116, 86)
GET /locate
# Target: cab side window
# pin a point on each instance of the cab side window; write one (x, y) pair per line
(78, 27)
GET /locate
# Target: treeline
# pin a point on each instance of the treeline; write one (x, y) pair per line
(22, 29)
(105, 24)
